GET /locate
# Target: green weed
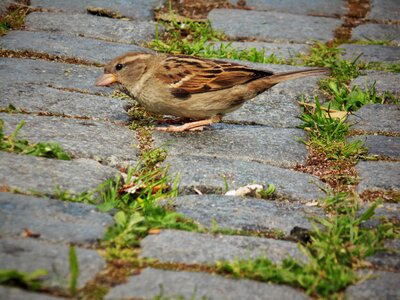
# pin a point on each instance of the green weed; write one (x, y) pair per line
(73, 270)
(42, 149)
(196, 38)
(338, 246)
(13, 19)
(26, 280)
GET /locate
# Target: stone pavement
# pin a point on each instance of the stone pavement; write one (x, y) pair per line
(258, 143)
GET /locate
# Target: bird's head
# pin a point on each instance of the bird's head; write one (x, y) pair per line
(125, 70)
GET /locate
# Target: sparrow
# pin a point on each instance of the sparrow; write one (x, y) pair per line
(199, 89)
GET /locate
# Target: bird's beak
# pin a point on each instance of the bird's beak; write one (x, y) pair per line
(106, 80)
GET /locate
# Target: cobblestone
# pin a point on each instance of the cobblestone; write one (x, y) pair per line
(197, 248)
(377, 32)
(90, 50)
(131, 32)
(28, 255)
(378, 175)
(268, 25)
(53, 220)
(151, 283)
(245, 213)
(371, 53)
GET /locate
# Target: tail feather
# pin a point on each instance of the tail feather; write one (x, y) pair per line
(279, 77)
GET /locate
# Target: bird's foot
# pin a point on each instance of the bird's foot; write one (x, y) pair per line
(192, 126)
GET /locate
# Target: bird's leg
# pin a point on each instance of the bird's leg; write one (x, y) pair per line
(192, 126)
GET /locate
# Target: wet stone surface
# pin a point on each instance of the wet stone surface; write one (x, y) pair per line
(244, 213)
(268, 25)
(202, 248)
(130, 32)
(90, 50)
(208, 175)
(28, 255)
(198, 285)
(35, 174)
(53, 220)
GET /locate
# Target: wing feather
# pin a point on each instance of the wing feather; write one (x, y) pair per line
(204, 75)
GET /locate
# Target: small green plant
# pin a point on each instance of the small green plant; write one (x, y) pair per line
(26, 280)
(42, 149)
(197, 38)
(338, 246)
(73, 270)
(268, 192)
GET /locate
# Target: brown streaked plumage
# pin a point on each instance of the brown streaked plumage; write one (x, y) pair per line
(191, 87)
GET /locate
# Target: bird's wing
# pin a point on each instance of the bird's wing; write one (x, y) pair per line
(187, 75)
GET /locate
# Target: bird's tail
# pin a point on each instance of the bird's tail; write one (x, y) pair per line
(279, 77)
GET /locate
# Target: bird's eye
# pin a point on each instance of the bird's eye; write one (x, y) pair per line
(119, 67)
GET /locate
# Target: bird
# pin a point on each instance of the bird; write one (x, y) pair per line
(199, 89)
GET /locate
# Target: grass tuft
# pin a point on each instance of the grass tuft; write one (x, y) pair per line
(42, 149)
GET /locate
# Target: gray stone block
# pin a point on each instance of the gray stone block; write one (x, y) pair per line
(276, 146)
(207, 174)
(389, 259)
(270, 108)
(386, 146)
(376, 118)
(90, 50)
(377, 32)
(137, 9)
(384, 82)
(197, 248)
(40, 99)
(384, 10)
(11, 293)
(268, 26)
(131, 32)
(4, 4)
(34, 174)
(102, 141)
(280, 50)
(55, 221)
(28, 255)
(245, 213)
(380, 286)
(378, 175)
(371, 53)
(58, 75)
(306, 7)
(193, 285)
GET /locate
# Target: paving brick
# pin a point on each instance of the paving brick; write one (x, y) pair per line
(151, 283)
(102, 141)
(35, 174)
(131, 32)
(245, 213)
(55, 221)
(137, 9)
(28, 255)
(89, 50)
(208, 175)
(198, 248)
(268, 25)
